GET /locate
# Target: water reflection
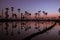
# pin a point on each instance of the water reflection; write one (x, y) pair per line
(25, 30)
(38, 33)
(6, 28)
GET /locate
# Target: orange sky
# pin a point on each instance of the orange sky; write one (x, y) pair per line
(42, 15)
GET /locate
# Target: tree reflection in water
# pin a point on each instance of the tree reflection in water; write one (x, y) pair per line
(38, 33)
(6, 28)
(26, 29)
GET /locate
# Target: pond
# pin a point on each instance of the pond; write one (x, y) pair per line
(30, 30)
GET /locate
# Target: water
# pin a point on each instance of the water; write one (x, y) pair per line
(32, 30)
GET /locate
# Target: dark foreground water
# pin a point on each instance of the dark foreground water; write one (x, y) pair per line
(29, 30)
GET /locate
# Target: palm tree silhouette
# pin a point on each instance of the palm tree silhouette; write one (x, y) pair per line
(30, 16)
(44, 12)
(59, 10)
(2, 13)
(36, 15)
(22, 16)
(26, 14)
(6, 13)
(39, 14)
(19, 11)
(12, 9)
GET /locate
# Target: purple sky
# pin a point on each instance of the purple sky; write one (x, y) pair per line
(50, 6)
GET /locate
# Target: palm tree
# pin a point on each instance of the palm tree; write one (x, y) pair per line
(46, 14)
(26, 14)
(19, 11)
(43, 12)
(29, 15)
(12, 9)
(6, 13)
(2, 13)
(38, 13)
(22, 16)
(7, 9)
(59, 10)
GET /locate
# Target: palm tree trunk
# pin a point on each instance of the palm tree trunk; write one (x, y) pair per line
(2, 13)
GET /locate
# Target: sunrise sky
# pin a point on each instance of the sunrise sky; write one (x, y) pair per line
(33, 6)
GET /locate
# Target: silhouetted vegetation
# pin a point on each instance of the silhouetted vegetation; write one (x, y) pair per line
(27, 16)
